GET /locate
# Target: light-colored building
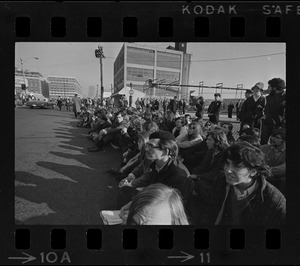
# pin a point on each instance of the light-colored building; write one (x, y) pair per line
(136, 64)
(65, 87)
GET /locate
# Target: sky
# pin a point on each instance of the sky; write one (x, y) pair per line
(212, 63)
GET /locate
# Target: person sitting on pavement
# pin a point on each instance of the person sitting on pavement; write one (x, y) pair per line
(169, 121)
(275, 155)
(212, 164)
(134, 129)
(242, 195)
(109, 135)
(163, 150)
(157, 204)
(102, 122)
(98, 118)
(136, 166)
(187, 120)
(150, 126)
(147, 116)
(227, 127)
(250, 132)
(179, 131)
(194, 137)
(252, 139)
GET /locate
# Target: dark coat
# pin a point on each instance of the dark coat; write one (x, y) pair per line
(214, 108)
(200, 109)
(210, 164)
(274, 109)
(252, 111)
(172, 176)
(266, 206)
(173, 105)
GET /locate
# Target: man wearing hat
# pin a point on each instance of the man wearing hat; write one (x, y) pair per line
(163, 150)
(275, 155)
(214, 109)
(274, 110)
(253, 107)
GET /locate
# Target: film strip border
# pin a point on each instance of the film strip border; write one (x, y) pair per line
(130, 239)
(155, 245)
(130, 27)
(189, 21)
(151, 21)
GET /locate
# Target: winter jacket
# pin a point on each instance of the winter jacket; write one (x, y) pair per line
(265, 206)
(171, 175)
(252, 111)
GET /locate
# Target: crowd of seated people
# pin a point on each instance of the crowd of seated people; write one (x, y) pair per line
(177, 163)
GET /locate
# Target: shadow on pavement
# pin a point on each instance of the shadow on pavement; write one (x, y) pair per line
(78, 202)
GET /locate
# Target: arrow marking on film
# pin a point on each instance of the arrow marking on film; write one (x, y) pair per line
(26, 259)
(186, 257)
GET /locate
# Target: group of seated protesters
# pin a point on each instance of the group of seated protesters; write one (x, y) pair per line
(172, 162)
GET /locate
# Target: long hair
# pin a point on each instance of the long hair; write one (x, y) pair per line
(249, 155)
(144, 136)
(219, 138)
(154, 195)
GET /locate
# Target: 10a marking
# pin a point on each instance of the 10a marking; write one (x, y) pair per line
(52, 257)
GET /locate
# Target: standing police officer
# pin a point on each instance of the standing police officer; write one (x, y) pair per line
(214, 109)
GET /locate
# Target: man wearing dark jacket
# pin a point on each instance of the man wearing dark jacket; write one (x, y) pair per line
(253, 107)
(109, 135)
(242, 195)
(214, 109)
(173, 105)
(275, 109)
(163, 150)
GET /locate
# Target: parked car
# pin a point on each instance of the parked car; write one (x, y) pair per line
(40, 104)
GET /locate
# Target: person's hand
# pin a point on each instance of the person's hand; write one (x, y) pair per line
(193, 176)
(124, 211)
(125, 182)
(124, 130)
(103, 132)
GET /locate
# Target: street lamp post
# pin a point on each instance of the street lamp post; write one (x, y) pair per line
(131, 92)
(99, 54)
(22, 66)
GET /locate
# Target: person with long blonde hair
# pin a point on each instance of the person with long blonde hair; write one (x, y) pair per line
(157, 204)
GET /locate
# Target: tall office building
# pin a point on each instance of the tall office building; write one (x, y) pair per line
(136, 64)
(65, 87)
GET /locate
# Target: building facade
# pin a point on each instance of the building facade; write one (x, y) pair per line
(65, 87)
(31, 79)
(137, 64)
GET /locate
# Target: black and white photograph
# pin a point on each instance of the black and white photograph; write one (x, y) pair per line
(168, 133)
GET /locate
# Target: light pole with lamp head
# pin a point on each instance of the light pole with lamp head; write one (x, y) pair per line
(130, 95)
(22, 65)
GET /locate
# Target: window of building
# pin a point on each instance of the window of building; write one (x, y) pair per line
(140, 56)
(168, 60)
(168, 76)
(139, 74)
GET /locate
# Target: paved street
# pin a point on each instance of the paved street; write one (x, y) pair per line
(57, 180)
